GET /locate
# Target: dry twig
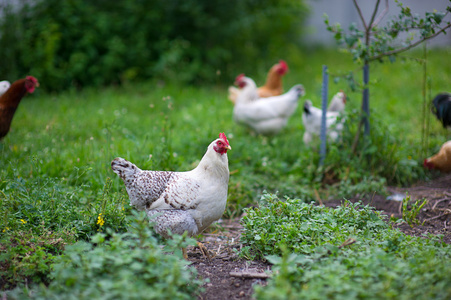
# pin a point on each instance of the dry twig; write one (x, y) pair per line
(318, 197)
(348, 242)
(447, 212)
(248, 274)
(438, 201)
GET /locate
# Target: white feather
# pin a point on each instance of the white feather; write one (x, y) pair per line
(4, 86)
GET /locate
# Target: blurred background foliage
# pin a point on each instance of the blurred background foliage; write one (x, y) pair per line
(80, 43)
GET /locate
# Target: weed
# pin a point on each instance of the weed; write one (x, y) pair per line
(345, 253)
(410, 214)
(302, 227)
(130, 265)
(27, 256)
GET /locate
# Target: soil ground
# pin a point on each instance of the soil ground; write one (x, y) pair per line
(233, 278)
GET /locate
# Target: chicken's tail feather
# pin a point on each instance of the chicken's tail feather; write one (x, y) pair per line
(307, 105)
(124, 168)
(233, 93)
(442, 108)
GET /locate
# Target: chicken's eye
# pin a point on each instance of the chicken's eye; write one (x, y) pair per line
(220, 143)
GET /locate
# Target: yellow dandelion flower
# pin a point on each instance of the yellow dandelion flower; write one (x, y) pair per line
(23, 221)
(409, 157)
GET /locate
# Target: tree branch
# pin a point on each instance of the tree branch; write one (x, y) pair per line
(370, 24)
(396, 51)
(360, 14)
(382, 15)
(374, 15)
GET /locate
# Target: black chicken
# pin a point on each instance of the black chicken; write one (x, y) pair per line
(442, 109)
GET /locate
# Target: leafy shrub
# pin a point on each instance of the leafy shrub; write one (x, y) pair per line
(27, 256)
(345, 253)
(130, 265)
(370, 273)
(302, 227)
(92, 43)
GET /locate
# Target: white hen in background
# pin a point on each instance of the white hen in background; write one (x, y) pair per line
(180, 201)
(267, 115)
(311, 118)
(4, 86)
(338, 102)
(248, 89)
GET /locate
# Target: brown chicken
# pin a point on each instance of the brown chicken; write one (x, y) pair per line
(10, 100)
(273, 85)
(442, 160)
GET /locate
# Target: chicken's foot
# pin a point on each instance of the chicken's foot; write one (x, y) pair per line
(204, 250)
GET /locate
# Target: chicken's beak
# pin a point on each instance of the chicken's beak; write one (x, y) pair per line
(228, 147)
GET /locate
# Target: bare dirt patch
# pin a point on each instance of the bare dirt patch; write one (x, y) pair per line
(233, 278)
(230, 277)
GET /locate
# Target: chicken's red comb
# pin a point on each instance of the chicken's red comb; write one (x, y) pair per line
(223, 137)
(283, 65)
(32, 79)
(428, 164)
(239, 77)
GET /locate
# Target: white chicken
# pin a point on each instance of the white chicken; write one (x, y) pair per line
(248, 89)
(180, 201)
(338, 102)
(267, 115)
(311, 118)
(4, 86)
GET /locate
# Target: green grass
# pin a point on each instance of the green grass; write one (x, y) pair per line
(55, 170)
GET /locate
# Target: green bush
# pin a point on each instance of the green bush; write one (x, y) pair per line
(91, 43)
(302, 228)
(370, 273)
(27, 256)
(130, 265)
(345, 253)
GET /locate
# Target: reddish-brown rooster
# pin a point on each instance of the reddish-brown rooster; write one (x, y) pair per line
(440, 161)
(10, 100)
(273, 85)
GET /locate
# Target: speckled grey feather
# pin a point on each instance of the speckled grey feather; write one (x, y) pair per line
(143, 187)
(177, 221)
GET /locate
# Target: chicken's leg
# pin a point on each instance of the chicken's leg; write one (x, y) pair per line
(204, 250)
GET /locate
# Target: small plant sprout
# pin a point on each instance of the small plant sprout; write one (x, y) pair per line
(410, 215)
